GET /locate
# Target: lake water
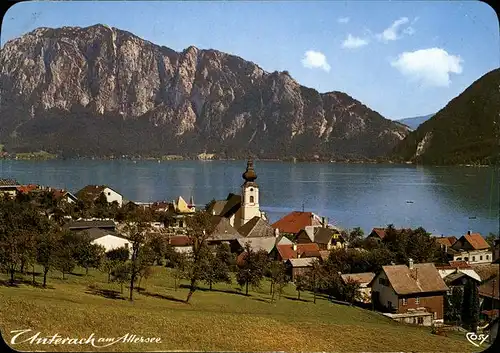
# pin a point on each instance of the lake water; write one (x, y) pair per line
(445, 200)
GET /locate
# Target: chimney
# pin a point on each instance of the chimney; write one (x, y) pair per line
(324, 220)
(468, 232)
(294, 246)
(277, 232)
(410, 264)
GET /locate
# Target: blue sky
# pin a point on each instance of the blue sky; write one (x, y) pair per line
(401, 59)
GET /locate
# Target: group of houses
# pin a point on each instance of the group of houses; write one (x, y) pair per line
(412, 293)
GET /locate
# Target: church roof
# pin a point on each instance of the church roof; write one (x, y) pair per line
(233, 203)
(249, 174)
(256, 227)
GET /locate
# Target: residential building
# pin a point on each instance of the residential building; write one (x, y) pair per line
(296, 221)
(377, 234)
(457, 267)
(240, 209)
(181, 206)
(298, 267)
(181, 243)
(109, 240)
(9, 187)
(285, 252)
(363, 279)
(446, 242)
(107, 225)
(471, 248)
(410, 290)
(224, 232)
(489, 294)
(326, 238)
(257, 228)
(93, 192)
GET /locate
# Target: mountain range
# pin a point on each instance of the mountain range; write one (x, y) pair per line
(415, 122)
(465, 131)
(101, 91)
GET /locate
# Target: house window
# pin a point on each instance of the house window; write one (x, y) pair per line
(459, 258)
(417, 300)
(251, 189)
(487, 257)
(251, 199)
(181, 224)
(389, 304)
(473, 258)
(420, 320)
(109, 194)
(405, 301)
(466, 258)
(381, 281)
(126, 245)
(480, 257)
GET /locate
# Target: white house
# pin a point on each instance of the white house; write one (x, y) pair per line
(471, 248)
(92, 193)
(108, 239)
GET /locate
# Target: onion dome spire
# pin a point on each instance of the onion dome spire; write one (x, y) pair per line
(249, 174)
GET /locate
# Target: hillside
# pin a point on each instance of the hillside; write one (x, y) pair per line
(463, 132)
(415, 122)
(101, 91)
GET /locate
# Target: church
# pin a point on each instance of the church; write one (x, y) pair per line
(240, 209)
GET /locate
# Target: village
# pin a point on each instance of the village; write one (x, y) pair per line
(383, 271)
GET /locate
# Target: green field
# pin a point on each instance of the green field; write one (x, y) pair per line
(221, 320)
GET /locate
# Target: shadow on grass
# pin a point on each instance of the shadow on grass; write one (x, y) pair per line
(77, 274)
(236, 291)
(261, 300)
(106, 293)
(161, 296)
(9, 283)
(296, 299)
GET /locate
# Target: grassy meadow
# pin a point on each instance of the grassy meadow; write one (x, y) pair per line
(220, 320)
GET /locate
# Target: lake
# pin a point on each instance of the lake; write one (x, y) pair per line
(444, 200)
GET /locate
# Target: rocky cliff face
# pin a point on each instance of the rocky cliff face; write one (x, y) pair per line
(102, 91)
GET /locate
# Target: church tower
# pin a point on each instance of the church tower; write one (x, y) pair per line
(249, 195)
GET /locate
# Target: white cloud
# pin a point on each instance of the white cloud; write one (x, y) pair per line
(352, 42)
(343, 20)
(315, 60)
(431, 67)
(395, 32)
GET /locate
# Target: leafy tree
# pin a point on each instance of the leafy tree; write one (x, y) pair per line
(470, 306)
(200, 226)
(354, 237)
(252, 268)
(279, 278)
(179, 266)
(113, 258)
(46, 250)
(490, 239)
(301, 284)
(453, 306)
(349, 290)
(87, 254)
(158, 244)
(121, 274)
(65, 252)
(217, 265)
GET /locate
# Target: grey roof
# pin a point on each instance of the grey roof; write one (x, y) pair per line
(74, 225)
(256, 227)
(223, 230)
(217, 207)
(261, 243)
(302, 262)
(323, 235)
(282, 240)
(96, 233)
(8, 182)
(361, 278)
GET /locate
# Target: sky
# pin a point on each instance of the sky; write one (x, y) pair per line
(399, 58)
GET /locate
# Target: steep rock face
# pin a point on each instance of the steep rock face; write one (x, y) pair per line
(466, 131)
(100, 91)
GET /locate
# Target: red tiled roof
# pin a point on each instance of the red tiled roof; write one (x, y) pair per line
(180, 240)
(477, 241)
(295, 221)
(27, 188)
(490, 288)
(304, 250)
(447, 241)
(380, 232)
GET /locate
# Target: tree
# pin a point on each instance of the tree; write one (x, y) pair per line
(113, 258)
(470, 306)
(135, 231)
(121, 274)
(216, 265)
(252, 268)
(158, 244)
(87, 254)
(349, 290)
(301, 284)
(200, 226)
(279, 278)
(65, 252)
(453, 306)
(46, 249)
(179, 266)
(354, 237)
(490, 239)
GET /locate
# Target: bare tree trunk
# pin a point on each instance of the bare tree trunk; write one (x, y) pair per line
(210, 284)
(22, 267)
(139, 284)
(45, 270)
(109, 276)
(271, 288)
(12, 272)
(298, 294)
(121, 287)
(33, 273)
(86, 271)
(62, 274)
(192, 288)
(246, 291)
